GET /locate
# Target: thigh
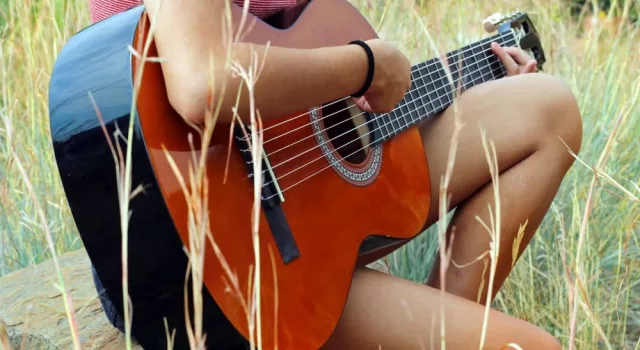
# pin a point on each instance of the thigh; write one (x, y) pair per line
(518, 114)
(387, 312)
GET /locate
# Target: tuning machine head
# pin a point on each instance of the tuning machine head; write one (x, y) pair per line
(525, 33)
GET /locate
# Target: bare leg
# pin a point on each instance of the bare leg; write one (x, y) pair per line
(525, 116)
(388, 312)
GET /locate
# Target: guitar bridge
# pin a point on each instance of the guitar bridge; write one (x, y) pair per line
(271, 199)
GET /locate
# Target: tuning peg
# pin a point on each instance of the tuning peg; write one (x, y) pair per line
(490, 23)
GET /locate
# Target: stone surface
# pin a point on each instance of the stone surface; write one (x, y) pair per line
(32, 312)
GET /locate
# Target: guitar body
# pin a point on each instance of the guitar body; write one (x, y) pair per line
(329, 214)
(332, 207)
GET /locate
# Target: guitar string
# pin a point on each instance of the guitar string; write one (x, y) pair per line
(319, 171)
(350, 130)
(359, 138)
(415, 69)
(398, 107)
(500, 74)
(495, 59)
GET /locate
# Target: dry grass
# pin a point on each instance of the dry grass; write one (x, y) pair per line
(580, 277)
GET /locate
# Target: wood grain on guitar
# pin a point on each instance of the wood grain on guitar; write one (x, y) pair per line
(334, 176)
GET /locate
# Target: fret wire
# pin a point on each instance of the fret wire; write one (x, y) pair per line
(389, 134)
(484, 68)
(414, 92)
(377, 126)
(420, 88)
(397, 126)
(438, 83)
(396, 120)
(426, 90)
(442, 78)
(422, 92)
(416, 105)
(397, 114)
(404, 119)
(415, 95)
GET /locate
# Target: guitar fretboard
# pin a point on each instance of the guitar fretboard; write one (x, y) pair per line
(433, 90)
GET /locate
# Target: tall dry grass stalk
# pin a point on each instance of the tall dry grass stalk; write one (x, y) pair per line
(66, 296)
(493, 230)
(578, 286)
(578, 278)
(123, 168)
(196, 192)
(444, 202)
(444, 208)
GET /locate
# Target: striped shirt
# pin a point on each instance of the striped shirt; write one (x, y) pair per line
(101, 9)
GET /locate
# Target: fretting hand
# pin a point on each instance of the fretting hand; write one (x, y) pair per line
(515, 60)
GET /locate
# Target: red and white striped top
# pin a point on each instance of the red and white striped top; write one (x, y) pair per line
(101, 9)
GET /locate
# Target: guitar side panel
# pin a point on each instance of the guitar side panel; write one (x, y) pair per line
(96, 60)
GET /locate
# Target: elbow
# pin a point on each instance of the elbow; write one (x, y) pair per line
(188, 97)
(192, 93)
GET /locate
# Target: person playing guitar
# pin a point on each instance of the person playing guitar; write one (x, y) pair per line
(525, 114)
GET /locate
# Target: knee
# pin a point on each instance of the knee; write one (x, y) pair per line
(562, 113)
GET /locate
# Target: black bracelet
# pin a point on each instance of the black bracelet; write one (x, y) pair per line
(367, 83)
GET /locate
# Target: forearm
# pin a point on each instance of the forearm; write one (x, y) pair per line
(290, 81)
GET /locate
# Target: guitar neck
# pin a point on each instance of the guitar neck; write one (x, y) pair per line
(433, 89)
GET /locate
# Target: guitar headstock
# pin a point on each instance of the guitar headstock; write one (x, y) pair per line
(525, 33)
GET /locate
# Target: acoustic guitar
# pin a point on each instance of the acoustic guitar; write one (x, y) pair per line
(337, 183)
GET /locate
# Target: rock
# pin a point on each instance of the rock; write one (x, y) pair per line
(32, 311)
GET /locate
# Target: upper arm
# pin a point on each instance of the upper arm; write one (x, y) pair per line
(187, 34)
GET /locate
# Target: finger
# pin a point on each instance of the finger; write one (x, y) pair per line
(363, 104)
(509, 64)
(531, 67)
(519, 55)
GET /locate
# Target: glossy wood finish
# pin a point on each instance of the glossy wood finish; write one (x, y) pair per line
(329, 217)
(96, 60)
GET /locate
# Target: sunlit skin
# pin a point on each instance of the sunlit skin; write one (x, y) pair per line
(530, 117)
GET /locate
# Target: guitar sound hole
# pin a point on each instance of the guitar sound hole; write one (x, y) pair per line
(347, 130)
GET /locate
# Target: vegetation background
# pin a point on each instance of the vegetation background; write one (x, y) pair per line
(593, 45)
